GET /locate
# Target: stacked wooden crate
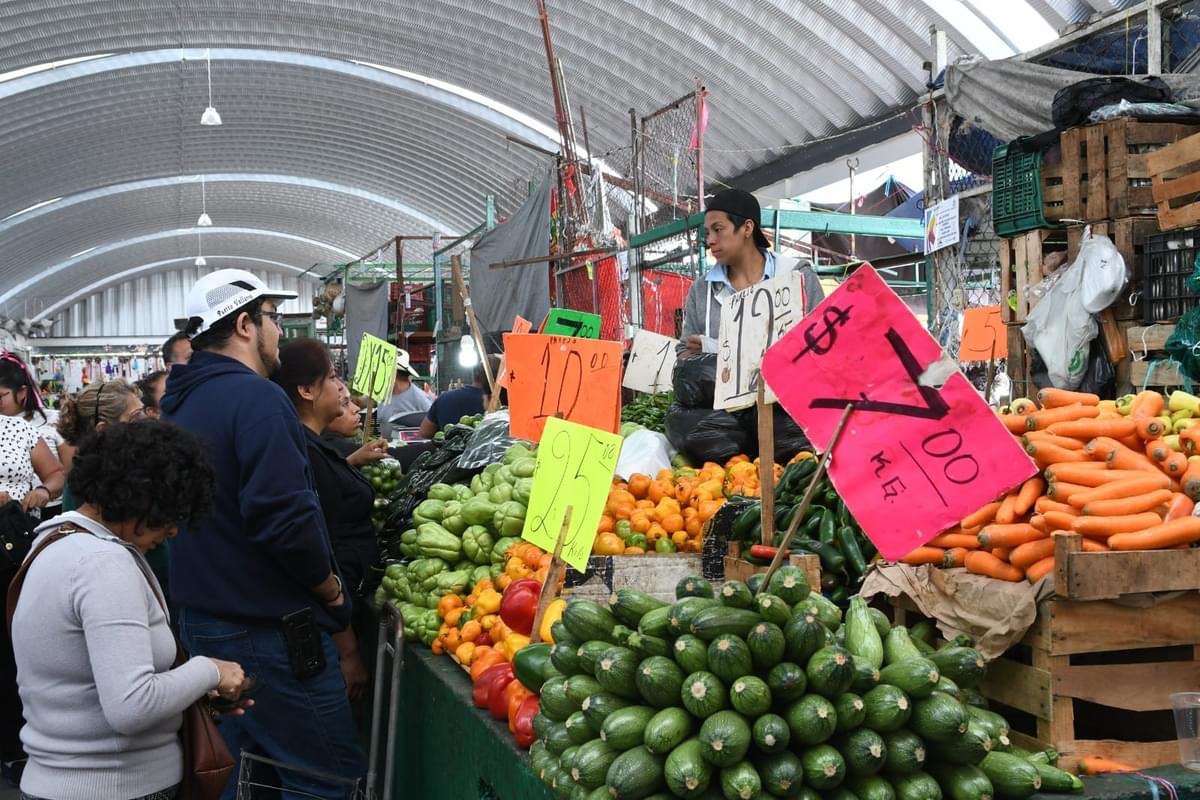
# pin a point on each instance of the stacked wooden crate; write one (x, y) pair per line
(1150, 365)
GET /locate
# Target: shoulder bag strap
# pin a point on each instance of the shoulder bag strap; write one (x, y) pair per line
(14, 588)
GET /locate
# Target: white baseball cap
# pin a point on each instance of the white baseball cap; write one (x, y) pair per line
(219, 294)
(404, 363)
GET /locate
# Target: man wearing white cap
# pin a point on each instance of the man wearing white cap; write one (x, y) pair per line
(407, 397)
(257, 583)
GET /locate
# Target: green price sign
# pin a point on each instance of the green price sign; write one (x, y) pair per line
(375, 370)
(567, 322)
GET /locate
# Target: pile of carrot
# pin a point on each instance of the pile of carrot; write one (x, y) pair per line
(1107, 476)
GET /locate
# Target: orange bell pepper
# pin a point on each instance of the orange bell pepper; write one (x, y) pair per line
(471, 630)
(483, 659)
(448, 604)
(514, 695)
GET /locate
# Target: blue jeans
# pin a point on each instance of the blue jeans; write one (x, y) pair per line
(306, 723)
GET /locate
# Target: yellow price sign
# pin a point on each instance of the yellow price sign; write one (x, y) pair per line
(375, 370)
(575, 466)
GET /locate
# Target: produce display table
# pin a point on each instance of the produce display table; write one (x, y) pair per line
(447, 748)
(1134, 787)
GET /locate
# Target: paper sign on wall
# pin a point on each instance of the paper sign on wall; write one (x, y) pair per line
(561, 376)
(983, 330)
(916, 456)
(575, 466)
(375, 371)
(751, 321)
(941, 225)
(568, 322)
(651, 363)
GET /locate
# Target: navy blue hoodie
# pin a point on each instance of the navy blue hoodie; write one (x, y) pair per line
(264, 546)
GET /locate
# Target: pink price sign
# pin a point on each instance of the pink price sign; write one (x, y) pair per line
(918, 453)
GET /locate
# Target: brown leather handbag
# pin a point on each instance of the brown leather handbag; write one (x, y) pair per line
(207, 763)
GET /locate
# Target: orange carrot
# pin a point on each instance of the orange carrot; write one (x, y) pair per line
(1059, 521)
(1091, 428)
(949, 540)
(1028, 554)
(1104, 527)
(1057, 398)
(1190, 482)
(1040, 569)
(1087, 475)
(1045, 504)
(1041, 420)
(1170, 534)
(1062, 491)
(1015, 423)
(1123, 506)
(1189, 440)
(981, 517)
(955, 556)
(925, 555)
(1118, 455)
(1009, 535)
(1089, 545)
(1030, 491)
(1039, 523)
(1147, 404)
(1023, 406)
(1065, 442)
(1122, 488)
(1157, 450)
(1180, 506)
(980, 562)
(1147, 428)
(1175, 465)
(1001, 553)
(1008, 510)
(1093, 765)
(1048, 454)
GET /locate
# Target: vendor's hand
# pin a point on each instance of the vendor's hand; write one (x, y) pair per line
(354, 673)
(232, 681)
(369, 453)
(38, 498)
(695, 345)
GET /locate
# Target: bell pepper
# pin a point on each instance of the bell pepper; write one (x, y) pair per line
(523, 467)
(519, 605)
(491, 682)
(522, 491)
(478, 511)
(553, 614)
(484, 658)
(428, 511)
(488, 602)
(477, 544)
(434, 541)
(509, 519)
(500, 493)
(522, 726)
(498, 696)
(528, 664)
(441, 491)
(514, 695)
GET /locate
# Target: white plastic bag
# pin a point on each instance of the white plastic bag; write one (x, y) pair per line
(1061, 329)
(646, 452)
(1104, 272)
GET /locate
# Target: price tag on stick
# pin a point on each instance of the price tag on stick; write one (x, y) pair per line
(375, 370)
(569, 322)
(575, 466)
(751, 321)
(921, 450)
(565, 377)
(651, 363)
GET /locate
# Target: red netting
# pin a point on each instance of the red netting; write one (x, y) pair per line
(663, 297)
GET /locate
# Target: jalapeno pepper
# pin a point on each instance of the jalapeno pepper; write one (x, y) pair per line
(828, 527)
(847, 540)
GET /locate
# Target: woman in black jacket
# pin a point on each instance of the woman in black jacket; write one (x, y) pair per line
(307, 375)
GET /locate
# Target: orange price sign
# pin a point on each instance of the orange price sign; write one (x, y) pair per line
(578, 380)
(984, 336)
(520, 325)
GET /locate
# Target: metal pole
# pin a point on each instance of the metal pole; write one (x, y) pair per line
(399, 289)
(1154, 40)
(701, 93)
(437, 302)
(491, 212)
(853, 163)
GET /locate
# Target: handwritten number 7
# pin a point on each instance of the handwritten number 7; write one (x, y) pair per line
(935, 406)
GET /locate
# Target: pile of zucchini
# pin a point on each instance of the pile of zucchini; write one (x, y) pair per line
(742, 696)
(828, 531)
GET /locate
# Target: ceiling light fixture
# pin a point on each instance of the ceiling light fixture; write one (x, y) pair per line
(210, 115)
(200, 260)
(205, 221)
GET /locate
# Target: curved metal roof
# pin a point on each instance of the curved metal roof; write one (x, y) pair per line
(329, 95)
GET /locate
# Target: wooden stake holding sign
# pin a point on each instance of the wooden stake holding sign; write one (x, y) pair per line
(476, 333)
(374, 374)
(766, 463)
(553, 577)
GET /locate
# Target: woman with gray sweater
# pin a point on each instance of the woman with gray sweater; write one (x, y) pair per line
(96, 658)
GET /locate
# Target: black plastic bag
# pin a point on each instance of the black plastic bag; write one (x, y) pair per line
(1074, 104)
(695, 381)
(789, 436)
(1100, 378)
(703, 434)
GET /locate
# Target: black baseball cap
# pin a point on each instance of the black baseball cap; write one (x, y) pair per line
(744, 205)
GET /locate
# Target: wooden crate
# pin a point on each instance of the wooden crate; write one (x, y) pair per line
(653, 573)
(1108, 162)
(1147, 345)
(738, 569)
(1175, 177)
(1093, 676)
(1019, 364)
(1128, 235)
(1053, 191)
(1021, 260)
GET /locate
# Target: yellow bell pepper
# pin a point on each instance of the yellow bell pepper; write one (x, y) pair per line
(465, 652)
(488, 621)
(514, 642)
(516, 568)
(488, 602)
(553, 614)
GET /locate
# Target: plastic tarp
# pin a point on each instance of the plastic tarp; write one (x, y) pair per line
(366, 312)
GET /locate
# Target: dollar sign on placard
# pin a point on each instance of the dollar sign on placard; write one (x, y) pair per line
(821, 342)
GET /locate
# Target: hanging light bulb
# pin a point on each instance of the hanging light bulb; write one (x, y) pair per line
(205, 221)
(210, 115)
(468, 355)
(200, 260)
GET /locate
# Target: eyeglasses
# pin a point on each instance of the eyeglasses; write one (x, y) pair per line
(274, 316)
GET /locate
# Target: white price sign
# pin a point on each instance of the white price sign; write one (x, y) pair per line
(751, 321)
(651, 363)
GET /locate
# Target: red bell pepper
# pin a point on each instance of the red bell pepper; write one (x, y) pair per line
(498, 698)
(484, 640)
(523, 723)
(491, 684)
(518, 607)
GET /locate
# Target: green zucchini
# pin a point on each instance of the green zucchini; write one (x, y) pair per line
(693, 586)
(968, 749)
(905, 752)
(647, 646)
(917, 786)
(882, 626)
(938, 718)
(862, 637)
(687, 773)
(1012, 777)
(587, 654)
(963, 782)
(771, 734)
(691, 653)
(789, 584)
(703, 694)
(735, 594)
(897, 646)
(630, 605)
(729, 658)
(598, 706)
(580, 687)
(963, 665)
(827, 611)
(888, 709)
(636, 773)
(824, 767)
(659, 681)
(866, 677)
(616, 670)
(741, 781)
(580, 729)
(717, 621)
(750, 696)
(917, 677)
(626, 727)
(726, 737)
(787, 682)
(872, 787)
(864, 751)
(851, 712)
(667, 729)
(995, 725)
(830, 671)
(782, 774)
(587, 620)
(767, 646)
(812, 720)
(590, 765)
(684, 611)
(656, 622)
(1057, 781)
(772, 608)
(803, 636)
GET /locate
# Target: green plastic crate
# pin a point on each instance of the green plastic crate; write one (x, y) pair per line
(1017, 191)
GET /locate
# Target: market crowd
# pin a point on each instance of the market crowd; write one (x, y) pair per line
(202, 535)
